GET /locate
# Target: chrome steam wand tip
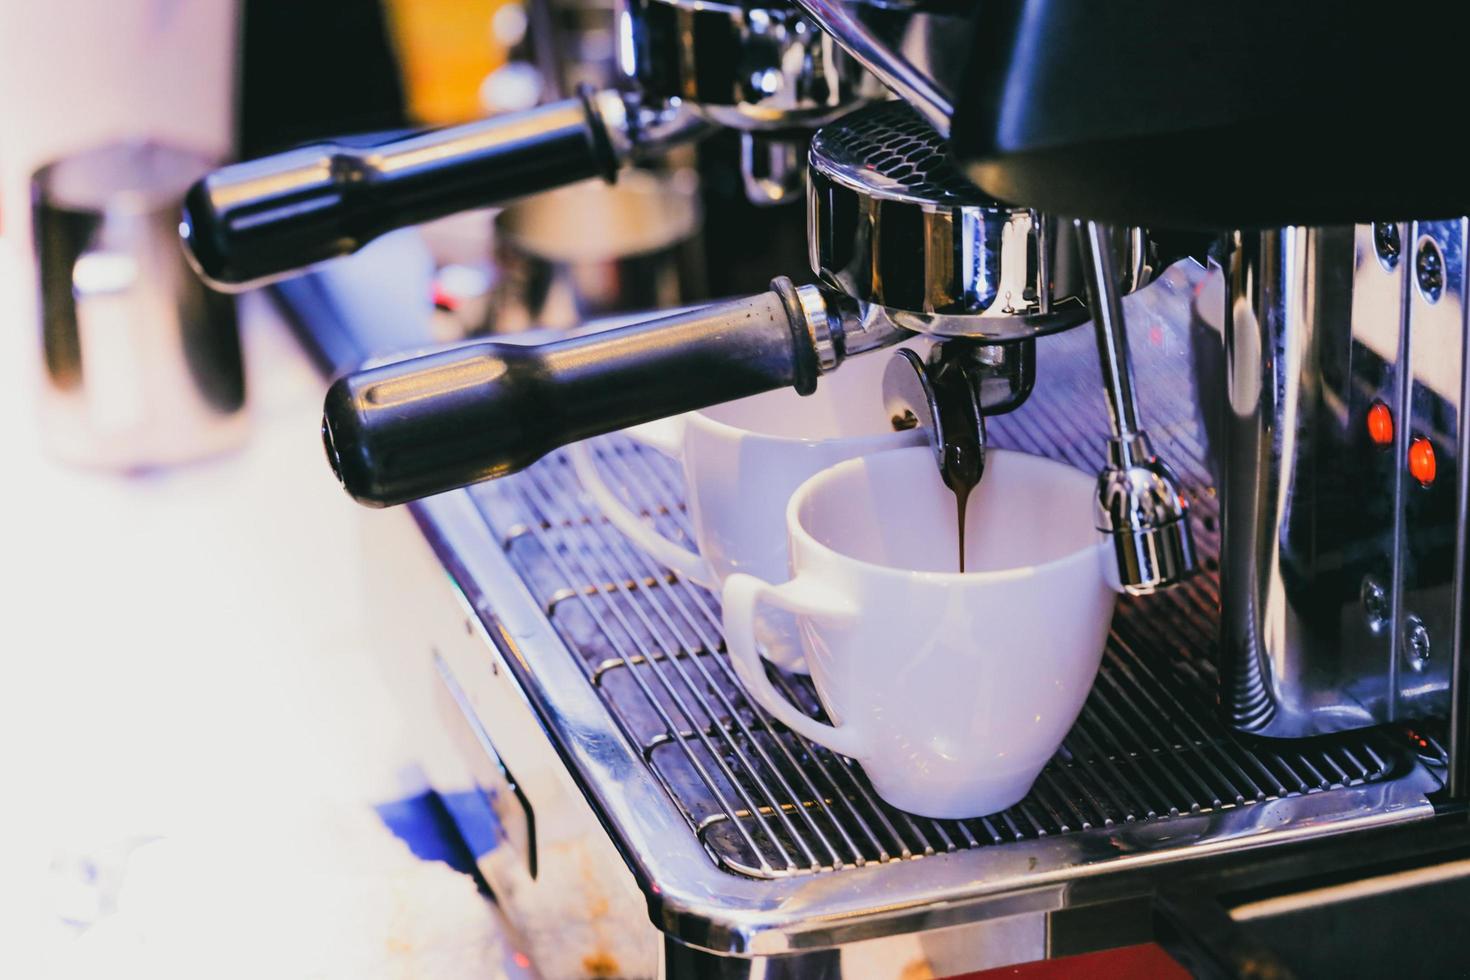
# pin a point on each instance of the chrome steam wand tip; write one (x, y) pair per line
(1140, 505)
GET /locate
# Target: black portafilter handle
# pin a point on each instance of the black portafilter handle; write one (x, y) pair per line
(255, 221)
(422, 426)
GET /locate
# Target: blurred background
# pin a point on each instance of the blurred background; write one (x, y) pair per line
(210, 776)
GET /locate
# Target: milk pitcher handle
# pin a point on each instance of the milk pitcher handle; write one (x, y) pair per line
(803, 596)
(666, 436)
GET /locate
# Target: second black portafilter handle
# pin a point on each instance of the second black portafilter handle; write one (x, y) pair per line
(255, 221)
(422, 426)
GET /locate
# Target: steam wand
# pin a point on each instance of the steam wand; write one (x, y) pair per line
(1139, 503)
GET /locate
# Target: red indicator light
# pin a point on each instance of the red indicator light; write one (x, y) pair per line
(1380, 424)
(443, 299)
(1422, 465)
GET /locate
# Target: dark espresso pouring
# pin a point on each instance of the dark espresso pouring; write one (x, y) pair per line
(942, 397)
(964, 464)
(961, 434)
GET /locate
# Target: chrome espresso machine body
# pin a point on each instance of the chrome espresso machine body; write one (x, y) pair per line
(1345, 485)
(1275, 403)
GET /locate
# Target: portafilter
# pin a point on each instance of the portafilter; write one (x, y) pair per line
(901, 244)
(763, 69)
(896, 226)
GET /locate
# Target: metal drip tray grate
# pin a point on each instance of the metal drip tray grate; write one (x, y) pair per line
(764, 802)
(767, 803)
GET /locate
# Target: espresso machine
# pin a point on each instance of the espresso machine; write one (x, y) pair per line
(1148, 242)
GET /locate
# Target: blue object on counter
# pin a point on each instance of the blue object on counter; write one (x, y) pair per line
(426, 823)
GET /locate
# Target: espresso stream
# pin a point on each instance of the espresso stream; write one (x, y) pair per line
(961, 501)
(963, 467)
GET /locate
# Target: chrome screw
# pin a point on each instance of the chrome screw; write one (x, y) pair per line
(1386, 242)
(1376, 609)
(1429, 267)
(1416, 643)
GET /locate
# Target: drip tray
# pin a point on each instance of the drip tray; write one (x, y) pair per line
(766, 803)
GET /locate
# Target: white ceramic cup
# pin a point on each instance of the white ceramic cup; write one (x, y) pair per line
(742, 461)
(952, 690)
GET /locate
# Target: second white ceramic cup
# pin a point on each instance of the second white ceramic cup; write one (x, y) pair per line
(742, 461)
(952, 690)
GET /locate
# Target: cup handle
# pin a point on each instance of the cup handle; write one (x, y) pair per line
(742, 595)
(666, 436)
